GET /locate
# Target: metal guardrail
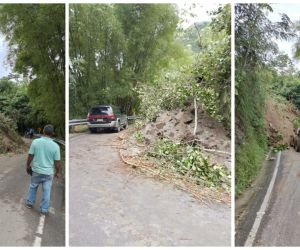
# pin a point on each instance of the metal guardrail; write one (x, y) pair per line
(75, 122)
(59, 141)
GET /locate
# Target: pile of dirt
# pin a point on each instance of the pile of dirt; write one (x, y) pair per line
(178, 125)
(279, 116)
(10, 141)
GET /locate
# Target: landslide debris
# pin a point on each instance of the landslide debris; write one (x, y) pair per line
(178, 125)
(10, 141)
(279, 116)
(166, 148)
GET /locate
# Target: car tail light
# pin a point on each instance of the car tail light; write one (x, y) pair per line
(111, 117)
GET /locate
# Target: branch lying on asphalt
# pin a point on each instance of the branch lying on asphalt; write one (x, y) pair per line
(208, 149)
(182, 187)
(182, 183)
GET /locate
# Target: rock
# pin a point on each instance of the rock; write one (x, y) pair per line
(160, 125)
(164, 117)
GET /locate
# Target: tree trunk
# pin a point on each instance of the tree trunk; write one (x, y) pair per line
(196, 115)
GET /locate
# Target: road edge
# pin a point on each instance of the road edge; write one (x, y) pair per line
(252, 235)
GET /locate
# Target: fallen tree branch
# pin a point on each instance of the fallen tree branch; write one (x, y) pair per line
(208, 149)
(182, 187)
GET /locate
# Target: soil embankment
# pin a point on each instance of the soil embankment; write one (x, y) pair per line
(10, 141)
(279, 116)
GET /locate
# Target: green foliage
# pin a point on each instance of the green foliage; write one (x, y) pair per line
(163, 94)
(204, 94)
(280, 147)
(139, 137)
(296, 122)
(254, 33)
(36, 35)
(212, 68)
(190, 37)
(254, 44)
(249, 158)
(288, 87)
(115, 48)
(189, 160)
(206, 79)
(15, 104)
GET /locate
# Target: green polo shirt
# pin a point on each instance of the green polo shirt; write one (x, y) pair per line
(45, 151)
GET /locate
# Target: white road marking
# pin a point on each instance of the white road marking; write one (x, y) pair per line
(263, 208)
(40, 229)
(37, 241)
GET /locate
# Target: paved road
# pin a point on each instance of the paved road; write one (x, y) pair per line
(19, 225)
(281, 224)
(111, 205)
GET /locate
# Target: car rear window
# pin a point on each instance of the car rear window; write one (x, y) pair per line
(100, 111)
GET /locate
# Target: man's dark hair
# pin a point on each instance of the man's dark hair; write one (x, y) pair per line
(48, 130)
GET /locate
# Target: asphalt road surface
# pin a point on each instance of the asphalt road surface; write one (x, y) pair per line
(111, 205)
(19, 225)
(281, 223)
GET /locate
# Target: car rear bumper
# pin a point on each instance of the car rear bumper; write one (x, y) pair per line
(112, 124)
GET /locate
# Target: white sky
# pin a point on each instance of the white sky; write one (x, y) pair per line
(200, 12)
(5, 68)
(293, 12)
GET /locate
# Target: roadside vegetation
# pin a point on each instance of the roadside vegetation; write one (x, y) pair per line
(266, 80)
(33, 95)
(140, 58)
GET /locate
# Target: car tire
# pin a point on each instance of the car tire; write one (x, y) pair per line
(292, 141)
(297, 145)
(118, 128)
(92, 130)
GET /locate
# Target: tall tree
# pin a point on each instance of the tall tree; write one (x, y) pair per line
(36, 35)
(254, 51)
(114, 47)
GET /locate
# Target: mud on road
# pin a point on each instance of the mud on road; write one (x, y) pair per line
(19, 224)
(112, 205)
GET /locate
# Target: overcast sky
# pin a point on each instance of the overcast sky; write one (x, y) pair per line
(200, 12)
(5, 69)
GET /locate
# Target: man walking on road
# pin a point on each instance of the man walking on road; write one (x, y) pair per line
(43, 159)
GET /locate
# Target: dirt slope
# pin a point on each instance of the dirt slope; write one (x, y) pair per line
(10, 141)
(279, 116)
(178, 125)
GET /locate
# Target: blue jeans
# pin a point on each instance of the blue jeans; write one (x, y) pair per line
(46, 182)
